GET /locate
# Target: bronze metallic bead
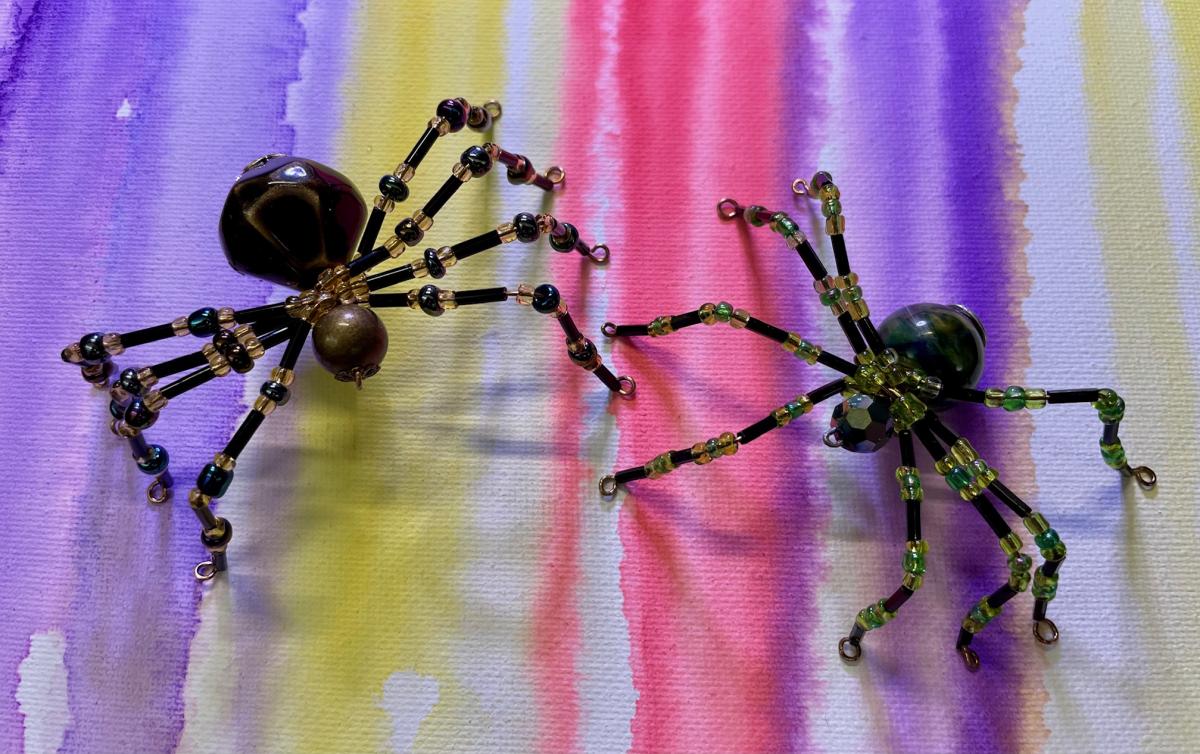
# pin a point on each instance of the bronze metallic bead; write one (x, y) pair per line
(350, 342)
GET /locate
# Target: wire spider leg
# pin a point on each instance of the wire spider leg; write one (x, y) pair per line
(740, 319)
(214, 479)
(879, 613)
(544, 299)
(725, 444)
(1109, 406)
(969, 475)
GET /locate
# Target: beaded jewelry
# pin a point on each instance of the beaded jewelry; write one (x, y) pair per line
(294, 222)
(921, 358)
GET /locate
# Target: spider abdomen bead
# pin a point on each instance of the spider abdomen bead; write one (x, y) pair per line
(944, 341)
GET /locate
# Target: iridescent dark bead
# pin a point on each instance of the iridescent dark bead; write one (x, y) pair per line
(584, 354)
(525, 175)
(130, 383)
(287, 218)
(567, 240)
(203, 322)
(429, 301)
(214, 480)
(479, 118)
(409, 232)
(944, 341)
(434, 265)
(477, 160)
(455, 112)
(91, 348)
(138, 415)
(350, 341)
(276, 391)
(862, 423)
(393, 188)
(117, 409)
(526, 226)
(223, 340)
(226, 534)
(239, 359)
(545, 298)
(155, 461)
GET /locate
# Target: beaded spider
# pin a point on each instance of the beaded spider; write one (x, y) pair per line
(295, 222)
(920, 358)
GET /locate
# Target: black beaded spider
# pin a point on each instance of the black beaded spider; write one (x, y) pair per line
(920, 358)
(295, 222)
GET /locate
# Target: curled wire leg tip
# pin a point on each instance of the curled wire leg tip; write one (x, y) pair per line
(628, 386)
(970, 658)
(608, 330)
(1045, 631)
(800, 187)
(850, 650)
(608, 486)
(204, 571)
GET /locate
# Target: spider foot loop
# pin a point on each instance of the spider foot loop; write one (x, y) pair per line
(159, 490)
(850, 649)
(1143, 475)
(628, 386)
(729, 209)
(608, 486)
(1045, 631)
(970, 658)
(204, 571)
(800, 187)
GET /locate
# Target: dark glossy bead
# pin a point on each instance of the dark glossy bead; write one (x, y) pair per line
(429, 302)
(436, 269)
(862, 423)
(239, 359)
(526, 226)
(455, 111)
(214, 480)
(130, 383)
(224, 340)
(350, 342)
(944, 341)
(203, 322)
(276, 391)
(91, 348)
(97, 373)
(138, 416)
(409, 232)
(155, 461)
(288, 218)
(479, 119)
(526, 174)
(545, 298)
(393, 188)
(584, 354)
(567, 240)
(213, 543)
(117, 409)
(477, 160)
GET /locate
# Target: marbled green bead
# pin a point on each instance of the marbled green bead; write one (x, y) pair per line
(1113, 455)
(1057, 552)
(1044, 587)
(910, 480)
(795, 410)
(831, 207)
(958, 478)
(869, 619)
(724, 311)
(1047, 539)
(1014, 399)
(914, 562)
(831, 296)
(786, 226)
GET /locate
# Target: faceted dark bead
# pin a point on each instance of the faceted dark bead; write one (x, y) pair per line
(214, 480)
(203, 322)
(155, 462)
(455, 111)
(91, 348)
(477, 160)
(130, 383)
(428, 299)
(239, 359)
(350, 342)
(944, 341)
(436, 269)
(223, 341)
(393, 188)
(862, 423)
(288, 218)
(545, 298)
(138, 415)
(568, 239)
(276, 391)
(409, 232)
(526, 226)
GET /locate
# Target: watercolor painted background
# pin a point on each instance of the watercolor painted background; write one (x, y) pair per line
(426, 564)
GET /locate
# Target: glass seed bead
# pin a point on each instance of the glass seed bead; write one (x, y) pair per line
(1035, 398)
(526, 226)
(984, 474)
(819, 180)
(276, 391)
(214, 480)
(1011, 544)
(455, 112)
(712, 448)
(830, 297)
(708, 314)
(907, 410)
(829, 191)
(429, 300)
(155, 461)
(1044, 587)
(117, 409)
(993, 397)
(91, 347)
(835, 225)
(1014, 399)
(914, 557)
(958, 478)
(724, 311)
(962, 451)
(699, 455)
(751, 215)
(1035, 523)
(1113, 455)
(912, 581)
(831, 207)
(727, 442)
(782, 416)
(546, 299)
(477, 160)
(203, 322)
(1047, 539)
(853, 294)
(392, 188)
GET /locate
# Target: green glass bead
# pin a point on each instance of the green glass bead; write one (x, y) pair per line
(1020, 563)
(1057, 552)
(908, 410)
(1019, 582)
(1044, 587)
(1047, 539)
(910, 480)
(712, 448)
(751, 215)
(914, 562)
(784, 225)
(831, 207)
(1110, 406)
(830, 297)
(853, 293)
(724, 311)
(1014, 399)
(984, 474)
(972, 626)
(1113, 455)
(958, 478)
(869, 618)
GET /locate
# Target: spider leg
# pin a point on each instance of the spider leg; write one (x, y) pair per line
(725, 444)
(544, 299)
(1109, 405)
(877, 614)
(213, 480)
(711, 314)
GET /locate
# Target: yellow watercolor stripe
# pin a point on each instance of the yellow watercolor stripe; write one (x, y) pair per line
(1154, 367)
(370, 584)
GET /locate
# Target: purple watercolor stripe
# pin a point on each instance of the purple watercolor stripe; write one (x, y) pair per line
(110, 223)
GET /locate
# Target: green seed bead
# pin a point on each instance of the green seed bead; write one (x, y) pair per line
(830, 297)
(1055, 553)
(1047, 539)
(958, 478)
(724, 311)
(972, 626)
(984, 474)
(1035, 398)
(712, 447)
(853, 293)
(1014, 399)
(993, 397)
(831, 207)
(1035, 523)
(1110, 406)
(751, 215)
(914, 561)
(708, 314)
(1011, 544)
(1113, 455)
(785, 226)
(1044, 587)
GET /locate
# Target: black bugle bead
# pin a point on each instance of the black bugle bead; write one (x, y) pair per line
(245, 431)
(423, 145)
(619, 330)
(390, 278)
(956, 393)
(472, 246)
(382, 300)
(811, 260)
(680, 321)
(898, 598)
(187, 382)
(765, 329)
(368, 261)
(147, 335)
(178, 364)
(371, 232)
(1001, 595)
(256, 313)
(1039, 609)
(1050, 567)
(757, 429)
(925, 435)
(1009, 498)
(605, 375)
(857, 633)
(630, 475)
(964, 638)
(833, 361)
(438, 200)
(481, 296)
(840, 258)
(826, 391)
(852, 334)
(1110, 433)
(1087, 395)
(908, 454)
(568, 327)
(870, 334)
(681, 456)
(913, 519)
(297, 336)
(275, 337)
(990, 515)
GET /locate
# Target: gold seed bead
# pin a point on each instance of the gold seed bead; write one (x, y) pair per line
(1010, 543)
(283, 376)
(708, 314)
(847, 280)
(423, 221)
(147, 377)
(913, 581)
(154, 400)
(241, 332)
(112, 344)
(792, 344)
(963, 452)
(992, 397)
(412, 298)
(418, 267)
(858, 309)
(865, 357)
(944, 465)
(1035, 398)
(385, 204)
(447, 300)
(225, 317)
(524, 294)
(1036, 523)
(699, 455)
(782, 417)
(546, 223)
(446, 257)
(507, 232)
(835, 225)
(493, 150)
(223, 461)
(440, 124)
(198, 499)
(461, 172)
(970, 492)
(561, 311)
(740, 319)
(728, 444)
(254, 348)
(179, 326)
(824, 284)
(394, 247)
(73, 355)
(404, 171)
(264, 405)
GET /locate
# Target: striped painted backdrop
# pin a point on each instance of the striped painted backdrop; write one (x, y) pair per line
(425, 565)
